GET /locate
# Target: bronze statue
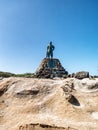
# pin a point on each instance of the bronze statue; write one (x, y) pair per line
(50, 49)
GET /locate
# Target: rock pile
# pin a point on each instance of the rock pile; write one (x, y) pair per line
(50, 68)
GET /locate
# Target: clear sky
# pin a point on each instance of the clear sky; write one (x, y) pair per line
(27, 26)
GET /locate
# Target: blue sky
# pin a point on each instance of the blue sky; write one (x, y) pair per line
(27, 26)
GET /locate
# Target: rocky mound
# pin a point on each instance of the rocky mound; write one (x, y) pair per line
(46, 104)
(50, 68)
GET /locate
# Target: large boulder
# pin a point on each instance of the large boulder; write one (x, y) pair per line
(82, 75)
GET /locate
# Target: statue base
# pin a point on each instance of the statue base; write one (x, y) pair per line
(50, 68)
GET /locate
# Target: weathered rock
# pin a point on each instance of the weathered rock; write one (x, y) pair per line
(50, 68)
(28, 92)
(48, 104)
(86, 85)
(82, 74)
(4, 87)
(43, 127)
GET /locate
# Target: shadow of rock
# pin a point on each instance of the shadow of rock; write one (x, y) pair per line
(26, 93)
(43, 127)
(74, 101)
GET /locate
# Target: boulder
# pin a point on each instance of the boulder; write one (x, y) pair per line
(82, 75)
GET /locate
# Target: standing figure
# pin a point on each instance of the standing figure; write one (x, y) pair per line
(50, 49)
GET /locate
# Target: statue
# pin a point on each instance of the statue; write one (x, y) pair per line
(50, 49)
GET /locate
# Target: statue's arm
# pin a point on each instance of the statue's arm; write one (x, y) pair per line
(53, 47)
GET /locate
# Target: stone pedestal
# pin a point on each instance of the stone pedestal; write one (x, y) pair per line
(50, 68)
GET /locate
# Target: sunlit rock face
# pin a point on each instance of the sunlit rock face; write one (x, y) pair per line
(50, 68)
(48, 104)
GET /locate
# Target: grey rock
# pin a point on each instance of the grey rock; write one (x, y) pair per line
(82, 75)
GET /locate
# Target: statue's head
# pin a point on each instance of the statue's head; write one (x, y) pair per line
(50, 42)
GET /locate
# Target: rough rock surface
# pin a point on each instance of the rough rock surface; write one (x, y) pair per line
(86, 85)
(82, 75)
(42, 127)
(50, 68)
(48, 104)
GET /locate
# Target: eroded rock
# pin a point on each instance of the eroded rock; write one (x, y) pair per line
(82, 75)
(86, 85)
(47, 104)
(43, 127)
